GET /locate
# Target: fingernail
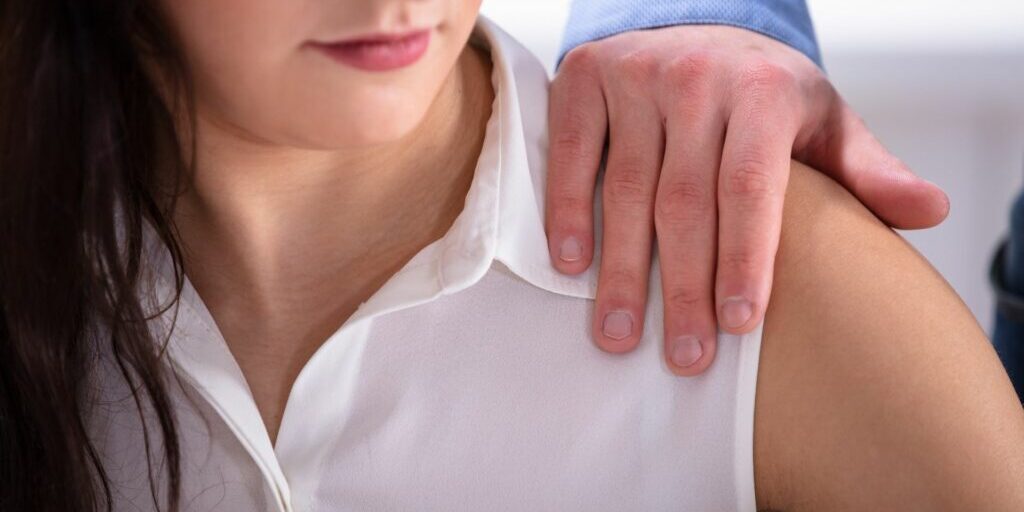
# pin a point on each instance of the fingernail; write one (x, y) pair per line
(685, 351)
(736, 312)
(617, 325)
(571, 249)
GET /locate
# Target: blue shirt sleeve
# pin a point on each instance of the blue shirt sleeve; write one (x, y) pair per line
(788, 21)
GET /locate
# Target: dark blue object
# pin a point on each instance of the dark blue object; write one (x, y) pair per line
(1007, 277)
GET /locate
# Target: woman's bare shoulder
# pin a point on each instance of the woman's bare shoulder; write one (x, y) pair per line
(877, 389)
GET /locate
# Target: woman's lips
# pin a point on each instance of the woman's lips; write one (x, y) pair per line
(379, 52)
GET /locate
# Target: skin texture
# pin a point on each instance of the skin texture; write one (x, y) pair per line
(701, 123)
(315, 181)
(877, 390)
(870, 364)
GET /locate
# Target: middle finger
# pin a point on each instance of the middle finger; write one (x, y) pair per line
(629, 183)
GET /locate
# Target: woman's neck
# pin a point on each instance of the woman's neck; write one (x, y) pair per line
(304, 232)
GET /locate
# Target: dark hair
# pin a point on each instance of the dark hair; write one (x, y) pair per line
(82, 123)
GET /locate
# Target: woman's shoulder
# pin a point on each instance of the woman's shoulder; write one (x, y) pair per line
(877, 389)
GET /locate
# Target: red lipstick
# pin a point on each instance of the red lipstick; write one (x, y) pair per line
(382, 52)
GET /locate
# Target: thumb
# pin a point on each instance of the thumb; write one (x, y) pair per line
(846, 150)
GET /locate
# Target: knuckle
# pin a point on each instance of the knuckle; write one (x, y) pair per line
(683, 300)
(568, 209)
(621, 283)
(767, 76)
(682, 203)
(568, 147)
(627, 186)
(738, 263)
(637, 67)
(750, 179)
(582, 59)
(691, 66)
(690, 78)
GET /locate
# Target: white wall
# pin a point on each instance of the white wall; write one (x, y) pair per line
(941, 82)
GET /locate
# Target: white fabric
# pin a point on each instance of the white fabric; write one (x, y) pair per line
(467, 382)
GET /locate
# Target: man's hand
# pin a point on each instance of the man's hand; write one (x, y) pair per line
(702, 121)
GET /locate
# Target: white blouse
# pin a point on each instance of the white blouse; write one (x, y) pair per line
(469, 381)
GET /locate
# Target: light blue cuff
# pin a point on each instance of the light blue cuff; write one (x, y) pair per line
(788, 21)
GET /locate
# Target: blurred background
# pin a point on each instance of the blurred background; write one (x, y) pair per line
(940, 82)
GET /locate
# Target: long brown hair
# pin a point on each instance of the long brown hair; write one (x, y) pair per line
(81, 124)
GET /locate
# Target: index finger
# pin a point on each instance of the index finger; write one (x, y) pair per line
(578, 123)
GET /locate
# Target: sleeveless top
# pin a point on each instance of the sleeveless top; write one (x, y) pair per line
(468, 381)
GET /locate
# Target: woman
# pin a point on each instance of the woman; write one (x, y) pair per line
(349, 304)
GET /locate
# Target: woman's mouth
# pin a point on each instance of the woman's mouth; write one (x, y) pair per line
(379, 52)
